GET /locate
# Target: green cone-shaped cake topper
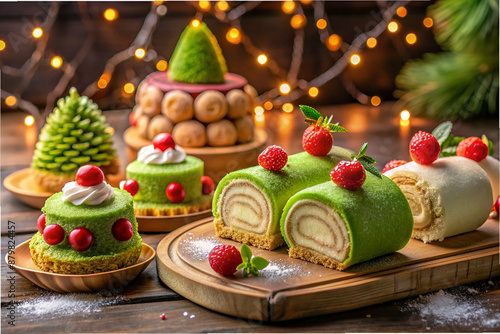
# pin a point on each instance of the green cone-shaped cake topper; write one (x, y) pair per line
(74, 135)
(197, 57)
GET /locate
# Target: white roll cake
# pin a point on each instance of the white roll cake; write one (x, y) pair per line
(449, 197)
(492, 167)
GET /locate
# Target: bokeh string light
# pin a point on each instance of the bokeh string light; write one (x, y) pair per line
(141, 47)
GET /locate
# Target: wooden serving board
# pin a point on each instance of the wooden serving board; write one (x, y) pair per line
(291, 288)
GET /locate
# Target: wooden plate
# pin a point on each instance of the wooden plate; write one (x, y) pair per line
(169, 223)
(21, 185)
(291, 288)
(77, 283)
(218, 160)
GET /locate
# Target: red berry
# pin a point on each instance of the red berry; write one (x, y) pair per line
(317, 140)
(89, 175)
(122, 229)
(349, 175)
(424, 148)
(273, 158)
(175, 192)
(132, 119)
(162, 316)
(131, 186)
(40, 223)
(80, 239)
(224, 259)
(473, 148)
(393, 164)
(208, 185)
(53, 234)
(497, 204)
(163, 141)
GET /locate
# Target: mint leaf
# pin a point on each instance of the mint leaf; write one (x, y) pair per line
(442, 131)
(251, 265)
(363, 149)
(369, 167)
(336, 128)
(246, 253)
(310, 112)
(259, 262)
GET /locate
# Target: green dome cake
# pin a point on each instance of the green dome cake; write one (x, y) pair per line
(164, 181)
(86, 228)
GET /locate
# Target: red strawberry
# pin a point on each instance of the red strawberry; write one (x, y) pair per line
(497, 204)
(273, 158)
(424, 148)
(317, 140)
(473, 148)
(393, 164)
(224, 259)
(349, 175)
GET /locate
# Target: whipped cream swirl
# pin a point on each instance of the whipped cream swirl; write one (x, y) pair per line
(151, 155)
(93, 195)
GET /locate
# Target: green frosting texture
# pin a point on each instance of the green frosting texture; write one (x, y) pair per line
(377, 216)
(75, 134)
(197, 57)
(153, 179)
(302, 170)
(99, 219)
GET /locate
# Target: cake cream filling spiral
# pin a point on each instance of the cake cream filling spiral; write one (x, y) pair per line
(313, 225)
(244, 206)
(151, 155)
(93, 195)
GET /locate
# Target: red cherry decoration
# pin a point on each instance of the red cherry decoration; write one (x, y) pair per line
(80, 239)
(131, 186)
(163, 141)
(40, 223)
(53, 234)
(89, 175)
(122, 229)
(208, 185)
(497, 204)
(175, 192)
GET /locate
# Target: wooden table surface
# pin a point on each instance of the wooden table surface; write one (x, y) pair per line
(137, 307)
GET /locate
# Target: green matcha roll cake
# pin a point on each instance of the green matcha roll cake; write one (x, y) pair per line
(247, 204)
(165, 181)
(87, 228)
(336, 227)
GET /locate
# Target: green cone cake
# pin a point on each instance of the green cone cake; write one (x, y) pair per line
(197, 57)
(337, 227)
(247, 204)
(74, 135)
(165, 181)
(87, 228)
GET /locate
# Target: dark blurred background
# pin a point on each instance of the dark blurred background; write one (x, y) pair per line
(267, 26)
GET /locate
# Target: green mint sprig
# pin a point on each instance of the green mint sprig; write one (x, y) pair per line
(314, 117)
(449, 142)
(251, 265)
(366, 161)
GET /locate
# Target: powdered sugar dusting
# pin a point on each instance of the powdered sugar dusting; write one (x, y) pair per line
(54, 305)
(457, 307)
(196, 248)
(282, 271)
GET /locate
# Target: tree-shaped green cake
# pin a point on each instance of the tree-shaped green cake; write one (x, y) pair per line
(74, 135)
(197, 57)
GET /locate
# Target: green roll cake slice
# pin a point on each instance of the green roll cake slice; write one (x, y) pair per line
(336, 227)
(248, 203)
(105, 253)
